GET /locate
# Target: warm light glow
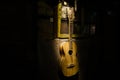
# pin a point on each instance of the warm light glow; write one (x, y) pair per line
(65, 3)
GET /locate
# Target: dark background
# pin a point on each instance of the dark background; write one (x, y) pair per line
(18, 40)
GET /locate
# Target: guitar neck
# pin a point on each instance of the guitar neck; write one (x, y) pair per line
(70, 25)
(70, 33)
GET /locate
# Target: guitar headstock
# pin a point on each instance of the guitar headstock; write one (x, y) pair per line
(71, 14)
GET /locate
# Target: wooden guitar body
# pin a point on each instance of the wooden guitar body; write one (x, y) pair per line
(68, 50)
(68, 62)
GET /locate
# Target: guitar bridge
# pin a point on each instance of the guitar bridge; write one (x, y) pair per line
(71, 66)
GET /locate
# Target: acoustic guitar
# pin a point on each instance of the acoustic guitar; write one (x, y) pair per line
(68, 52)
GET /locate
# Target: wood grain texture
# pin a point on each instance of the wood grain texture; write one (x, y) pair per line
(69, 63)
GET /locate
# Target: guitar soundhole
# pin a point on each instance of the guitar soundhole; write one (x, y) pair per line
(70, 52)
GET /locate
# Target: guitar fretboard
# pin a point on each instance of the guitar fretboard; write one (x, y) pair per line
(70, 35)
(70, 27)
